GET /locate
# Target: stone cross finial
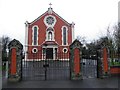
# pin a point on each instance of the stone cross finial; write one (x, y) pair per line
(50, 9)
(50, 5)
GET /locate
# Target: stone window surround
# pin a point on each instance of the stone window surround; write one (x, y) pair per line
(33, 34)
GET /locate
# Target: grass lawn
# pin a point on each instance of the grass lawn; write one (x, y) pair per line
(115, 64)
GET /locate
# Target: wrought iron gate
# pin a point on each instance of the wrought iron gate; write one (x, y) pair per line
(89, 68)
(89, 65)
(46, 69)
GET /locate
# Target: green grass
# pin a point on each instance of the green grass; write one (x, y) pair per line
(115, 64)
(2, 68)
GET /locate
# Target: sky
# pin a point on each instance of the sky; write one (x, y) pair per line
(91, 17)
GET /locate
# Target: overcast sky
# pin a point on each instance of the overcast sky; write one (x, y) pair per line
(91, 17)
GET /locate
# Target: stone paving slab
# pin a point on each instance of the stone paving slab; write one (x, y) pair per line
(111, 82)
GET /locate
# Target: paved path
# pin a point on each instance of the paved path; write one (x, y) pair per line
(111, 82)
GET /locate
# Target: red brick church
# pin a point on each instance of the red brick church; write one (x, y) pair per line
(47, 36)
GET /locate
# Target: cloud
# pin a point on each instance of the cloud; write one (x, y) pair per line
(90, 16)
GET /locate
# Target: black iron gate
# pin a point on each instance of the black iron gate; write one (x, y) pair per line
(89, 68)
(89, 64)
(46, 69)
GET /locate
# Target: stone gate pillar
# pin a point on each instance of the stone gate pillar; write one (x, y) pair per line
(15, 60)
(75, 61)
(104, 63)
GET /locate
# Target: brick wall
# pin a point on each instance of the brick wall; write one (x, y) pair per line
(115, 69)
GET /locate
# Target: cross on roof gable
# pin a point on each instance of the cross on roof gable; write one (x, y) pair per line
(50, 5)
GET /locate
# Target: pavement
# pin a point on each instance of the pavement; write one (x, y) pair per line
(111, 82)
(90, 82)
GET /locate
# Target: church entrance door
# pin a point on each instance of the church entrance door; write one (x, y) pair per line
(49, 53)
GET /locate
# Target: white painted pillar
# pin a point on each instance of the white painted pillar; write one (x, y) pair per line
(26, 39)
(73, 36)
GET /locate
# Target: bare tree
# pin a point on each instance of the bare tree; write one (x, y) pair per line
(81, 39)
(117, 37)
(5, 41)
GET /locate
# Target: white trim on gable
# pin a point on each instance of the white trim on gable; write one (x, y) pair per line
(52, 13)
(38, 18)
(61, 18)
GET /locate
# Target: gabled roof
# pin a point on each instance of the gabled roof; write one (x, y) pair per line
(38, 18)
(76, 43)
(53, 13)
(15, 43)
(61, 18)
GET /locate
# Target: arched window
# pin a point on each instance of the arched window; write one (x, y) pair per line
(35, 35)
(50, 36)
(64, 35)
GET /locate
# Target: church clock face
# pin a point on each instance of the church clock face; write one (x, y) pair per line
(50, 20)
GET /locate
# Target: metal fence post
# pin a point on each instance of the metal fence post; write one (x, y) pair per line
(6, 69)
(97, 64)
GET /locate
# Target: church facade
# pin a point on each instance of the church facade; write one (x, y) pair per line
(48, 36)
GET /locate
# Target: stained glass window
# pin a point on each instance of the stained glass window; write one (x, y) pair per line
(64, 36)
(35, 36)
